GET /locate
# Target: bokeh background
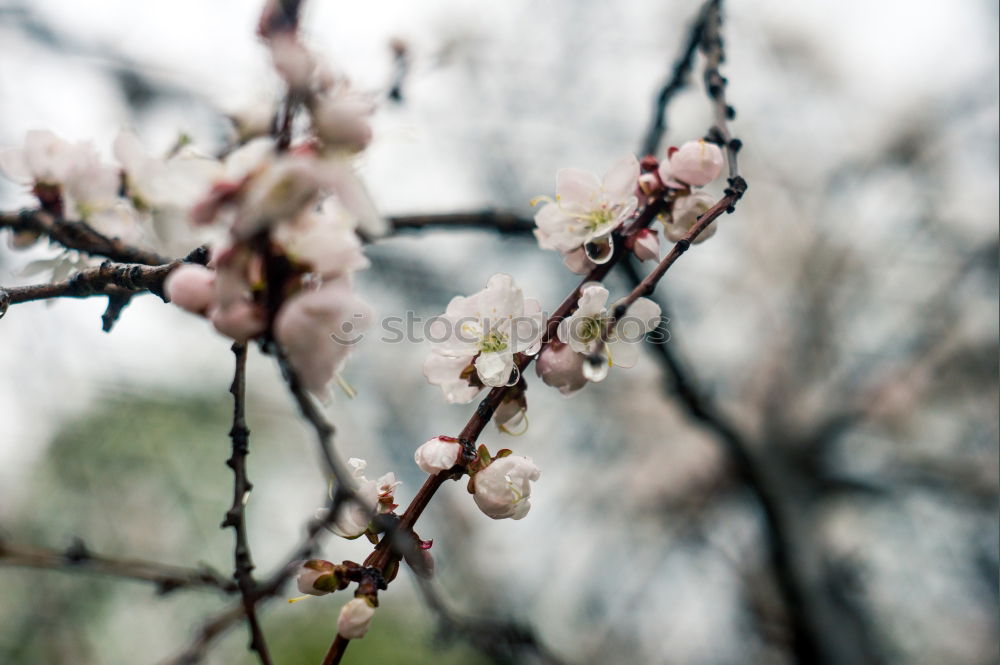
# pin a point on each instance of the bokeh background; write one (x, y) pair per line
(839, 333)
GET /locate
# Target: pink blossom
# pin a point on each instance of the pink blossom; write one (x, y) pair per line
(317, 328)
(191, 287)
(647, 245)
(561, 367)
(696, 163)
(240, 320)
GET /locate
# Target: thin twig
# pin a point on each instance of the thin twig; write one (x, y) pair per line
(78, 236)
(116, 280)
(495, 220)
(78, 558)
(236, 515)
(715, 86)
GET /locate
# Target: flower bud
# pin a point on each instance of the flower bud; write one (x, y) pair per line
(241, 320)
(502, 488)
(646, 245)
(342, 121)
(191, 287)
(317, 577)
(695, 163)
(355, 618)
(649, 184)
(438, 454)
(561, 367)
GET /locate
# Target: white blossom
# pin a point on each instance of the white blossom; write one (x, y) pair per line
(685, 215)
(587, 208)
(87, 186)
(583, 329)
(371, 497)
(502, 488)
(341, 118)
(324, 240)
(490, 326)
(437, 455)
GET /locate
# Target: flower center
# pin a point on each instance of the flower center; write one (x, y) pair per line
(493, 342)
(597, 218)
(590, 329)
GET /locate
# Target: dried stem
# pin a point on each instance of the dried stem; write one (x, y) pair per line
(236, 515)
(78, 558)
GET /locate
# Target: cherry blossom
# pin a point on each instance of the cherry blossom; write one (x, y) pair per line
(371, 497)
(502, 488)
(355, 618)
(437, 455)
(583, 329)
(685, 215)
(68, 178)
(695, 164)
(587, 209)
(484, 330)
(646, 245)
(561, 367)
(340, 118)
(324, 240)
(191, 287)
(317, 328)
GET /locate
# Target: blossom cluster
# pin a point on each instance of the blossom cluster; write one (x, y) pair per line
(284, 215)
(281, 214)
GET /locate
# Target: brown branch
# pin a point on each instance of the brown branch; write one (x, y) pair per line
(118, 281)
(715, 86)
(236, 515)
(78, 558)
(78, 236)
(386, 554)
(496, 220)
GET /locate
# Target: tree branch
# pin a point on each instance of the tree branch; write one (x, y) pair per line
(78, 557)
(118, 281)
(78, 236)
(236, 515)
(496, 220)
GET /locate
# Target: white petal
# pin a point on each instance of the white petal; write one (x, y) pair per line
(622, 178)
(623, 354)
(645, 311)
(576, 187)
(592, 299)
(14, 166)
(494, 368)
